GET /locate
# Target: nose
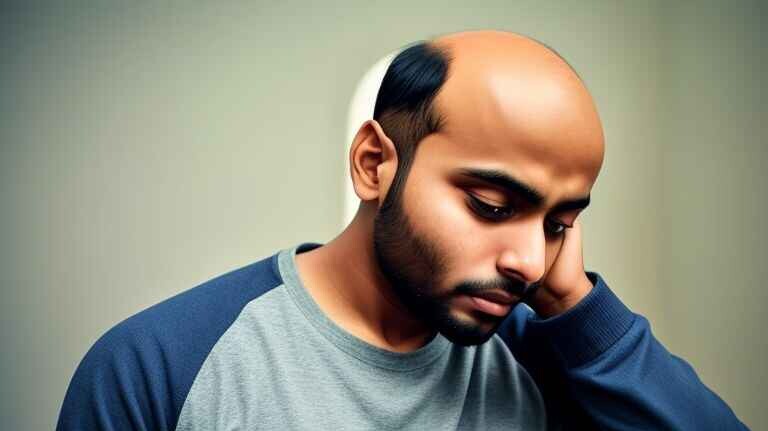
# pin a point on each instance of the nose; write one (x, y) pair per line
(522, 255)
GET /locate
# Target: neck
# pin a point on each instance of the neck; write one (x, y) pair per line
(344, 278)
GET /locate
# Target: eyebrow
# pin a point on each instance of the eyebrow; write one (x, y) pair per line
(519, 188)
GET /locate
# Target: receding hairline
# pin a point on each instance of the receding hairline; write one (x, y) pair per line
(438, 44)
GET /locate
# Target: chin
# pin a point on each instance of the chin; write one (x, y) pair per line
(466, 333)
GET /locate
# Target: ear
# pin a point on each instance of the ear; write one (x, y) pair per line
(372, 162)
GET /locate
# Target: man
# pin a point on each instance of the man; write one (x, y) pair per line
(482, 152)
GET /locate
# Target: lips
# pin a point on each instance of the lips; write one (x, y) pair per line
(493, 302)
(497, 296)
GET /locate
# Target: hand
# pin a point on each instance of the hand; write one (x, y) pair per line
(566, 283)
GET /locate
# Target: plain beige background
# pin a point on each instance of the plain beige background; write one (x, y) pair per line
(147, 148)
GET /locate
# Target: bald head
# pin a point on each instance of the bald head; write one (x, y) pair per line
(499, 90)
(514, 91)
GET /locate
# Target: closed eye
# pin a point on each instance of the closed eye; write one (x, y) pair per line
(498, 213)
(488, 211)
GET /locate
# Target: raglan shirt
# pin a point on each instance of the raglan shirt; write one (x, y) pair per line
(252, 350)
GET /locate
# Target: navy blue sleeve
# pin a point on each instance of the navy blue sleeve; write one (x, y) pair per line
(138, 374)
(599, 366)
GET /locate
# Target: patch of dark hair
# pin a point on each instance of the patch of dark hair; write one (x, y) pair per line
(404, 105)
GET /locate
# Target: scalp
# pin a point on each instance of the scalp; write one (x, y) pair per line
(506, 89)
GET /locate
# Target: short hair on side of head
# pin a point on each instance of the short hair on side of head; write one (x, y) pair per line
(404, 104)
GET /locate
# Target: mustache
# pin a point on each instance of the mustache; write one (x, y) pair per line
(517, 288)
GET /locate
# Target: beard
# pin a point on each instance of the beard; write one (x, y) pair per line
(415, 268)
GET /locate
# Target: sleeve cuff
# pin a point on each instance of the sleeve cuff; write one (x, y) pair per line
(587, 330)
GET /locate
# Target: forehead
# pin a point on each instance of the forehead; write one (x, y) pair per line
(439, 156)
(530, 145)
(559, 166)
(539, 126)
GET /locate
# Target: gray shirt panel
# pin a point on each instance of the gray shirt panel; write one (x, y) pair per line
(284, 365)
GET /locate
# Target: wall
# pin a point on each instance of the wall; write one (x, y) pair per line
(713, 240)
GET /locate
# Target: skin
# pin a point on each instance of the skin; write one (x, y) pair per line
(509, 104)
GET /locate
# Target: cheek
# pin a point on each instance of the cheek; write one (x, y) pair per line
(434, 209)
(448, 222)
(448, 225)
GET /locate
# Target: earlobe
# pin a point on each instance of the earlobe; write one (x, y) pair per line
(372, 161)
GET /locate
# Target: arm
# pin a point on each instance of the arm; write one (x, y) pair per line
(119, 385)
(599, 364)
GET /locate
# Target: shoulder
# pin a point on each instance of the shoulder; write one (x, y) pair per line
(140, 371)
(187, 324)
